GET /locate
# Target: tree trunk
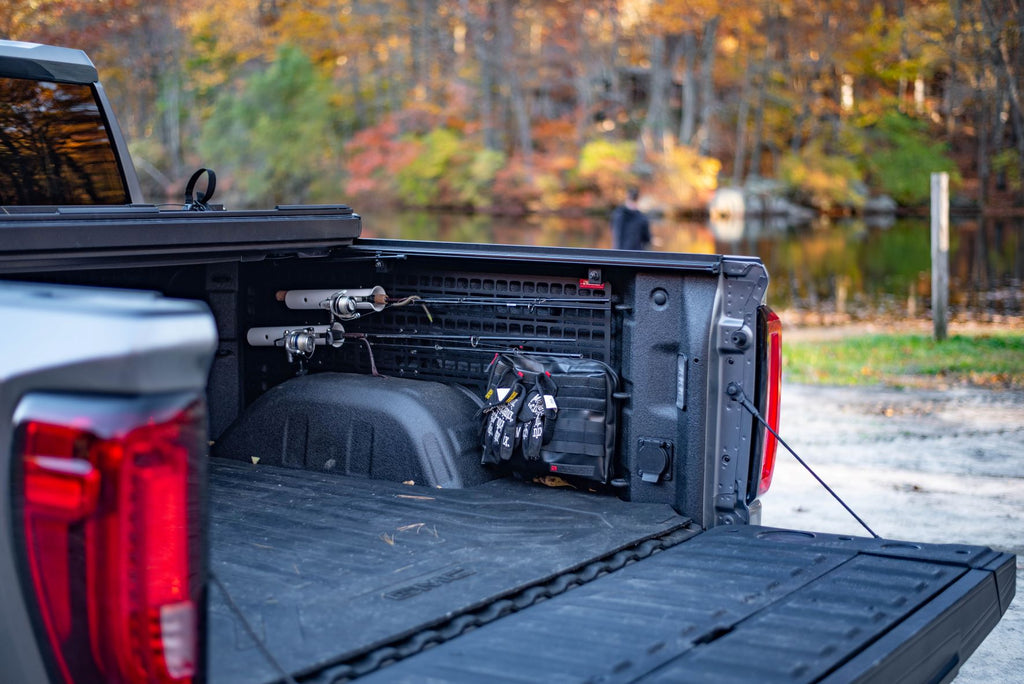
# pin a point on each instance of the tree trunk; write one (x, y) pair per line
(477, 30)
(741, 126)
(981, 121)
(707, 92)
(582, 78)
(947, 99)
(653, 129)
(433, 60)
(904, 55)
(688, 115)
(771, 25)
(584, 101)
(441, 44)
(172, 125)
(755, 145)
(510, 77)
(417, 36)
(351, 66)
(1004, 60)
(356, 86)
(396, 81)
(611, 66)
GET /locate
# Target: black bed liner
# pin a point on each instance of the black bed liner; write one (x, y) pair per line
(329, 568)
(326, 567)
(742, 604)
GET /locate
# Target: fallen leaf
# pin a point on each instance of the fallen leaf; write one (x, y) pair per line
(552, 481)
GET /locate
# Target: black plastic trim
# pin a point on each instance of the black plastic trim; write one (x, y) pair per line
(704, 263)
(129, 177)
(73, 239)
(934, 642)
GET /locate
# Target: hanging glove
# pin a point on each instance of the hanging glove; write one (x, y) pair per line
(537, 417)
(547, 388)
(531, 425)
(499, 387)
(500, 436)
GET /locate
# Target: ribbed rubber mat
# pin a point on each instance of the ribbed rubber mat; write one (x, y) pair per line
(736, 604)
(326, 567)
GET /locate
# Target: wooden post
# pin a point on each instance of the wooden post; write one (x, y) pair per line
(940, 253)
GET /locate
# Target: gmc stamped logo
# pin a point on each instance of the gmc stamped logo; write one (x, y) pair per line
(430, 582)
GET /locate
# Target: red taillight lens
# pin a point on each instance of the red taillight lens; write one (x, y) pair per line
(110, 532)
(772, 399)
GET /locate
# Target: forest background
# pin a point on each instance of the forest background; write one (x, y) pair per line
(507, 106)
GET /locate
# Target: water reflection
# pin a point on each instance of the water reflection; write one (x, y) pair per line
(852, 267)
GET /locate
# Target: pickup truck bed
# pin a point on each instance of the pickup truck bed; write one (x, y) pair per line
(339, 576)
(315, 561)
(296, 549)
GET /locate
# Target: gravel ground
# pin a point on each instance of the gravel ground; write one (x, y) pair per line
(944, 467)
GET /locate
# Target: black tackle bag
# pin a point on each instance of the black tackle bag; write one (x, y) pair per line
(550, 415)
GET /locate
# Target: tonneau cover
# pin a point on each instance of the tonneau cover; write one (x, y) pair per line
(41, 238)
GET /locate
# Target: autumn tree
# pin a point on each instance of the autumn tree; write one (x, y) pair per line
(554, 92)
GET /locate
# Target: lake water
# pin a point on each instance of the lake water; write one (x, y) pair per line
(851, 268)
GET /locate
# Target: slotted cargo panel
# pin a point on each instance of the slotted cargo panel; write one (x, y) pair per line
(481, 314)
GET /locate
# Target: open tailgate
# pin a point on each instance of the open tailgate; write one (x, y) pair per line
(744, 603)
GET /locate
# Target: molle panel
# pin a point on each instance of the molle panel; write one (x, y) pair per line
(464, 318)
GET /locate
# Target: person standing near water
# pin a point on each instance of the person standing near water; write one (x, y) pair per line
(630, 227)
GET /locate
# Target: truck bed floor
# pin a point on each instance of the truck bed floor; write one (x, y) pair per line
(325, 567)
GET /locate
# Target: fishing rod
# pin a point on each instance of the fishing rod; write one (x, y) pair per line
(483, 350)
(473, 340)
(334, 335)
(511, 302)
(301, 341)
(348, 304)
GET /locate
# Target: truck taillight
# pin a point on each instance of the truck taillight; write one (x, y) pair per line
(773, 395)
(108, 510)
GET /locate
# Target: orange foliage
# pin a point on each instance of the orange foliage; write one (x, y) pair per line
(373, 156)
(513, 188)
(551, 135)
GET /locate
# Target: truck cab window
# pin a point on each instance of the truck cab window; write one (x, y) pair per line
(55, 148)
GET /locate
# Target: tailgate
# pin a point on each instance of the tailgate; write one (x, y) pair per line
(737, 603)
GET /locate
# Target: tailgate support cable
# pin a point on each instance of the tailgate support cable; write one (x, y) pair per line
(736, 392)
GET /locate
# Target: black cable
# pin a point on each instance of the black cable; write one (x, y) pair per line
(252, 632)
(736, 392)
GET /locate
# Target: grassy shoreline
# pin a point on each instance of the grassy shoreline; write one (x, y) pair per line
(991, 358)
